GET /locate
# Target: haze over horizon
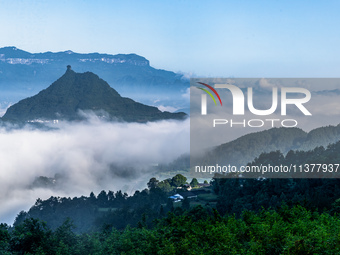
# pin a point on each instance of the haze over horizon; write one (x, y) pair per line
(215, 38)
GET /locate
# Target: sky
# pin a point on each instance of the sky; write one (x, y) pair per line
(200, 38)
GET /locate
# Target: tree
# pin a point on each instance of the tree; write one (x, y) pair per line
(20, 217)
(92, 198)
(170, 205)
(64, 237)
(4, 238)
(102, 199)
(165, 186)
(194, 182)
(178, 180)
(120, 198)
(110, 196)
(161, 211)
(152, 184)
(31, 236)
(186, 203)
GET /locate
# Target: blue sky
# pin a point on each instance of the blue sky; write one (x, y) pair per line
(207, 38)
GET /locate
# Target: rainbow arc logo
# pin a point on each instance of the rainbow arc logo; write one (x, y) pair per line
(209, 93)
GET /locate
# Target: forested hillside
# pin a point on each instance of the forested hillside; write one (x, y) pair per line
(287, 230)
(116, 209)
(237, 216)
(244, 149)
(239, 194)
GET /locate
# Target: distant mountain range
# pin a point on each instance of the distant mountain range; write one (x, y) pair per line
(75, 92)
(245, 149)
(23, 74)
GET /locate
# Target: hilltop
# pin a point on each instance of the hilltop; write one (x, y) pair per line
(74, 92)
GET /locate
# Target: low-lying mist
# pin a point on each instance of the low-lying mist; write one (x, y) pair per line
(89, 156)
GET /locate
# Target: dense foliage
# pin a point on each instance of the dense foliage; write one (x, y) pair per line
(239, 194)
(116, 209)
(287, 230)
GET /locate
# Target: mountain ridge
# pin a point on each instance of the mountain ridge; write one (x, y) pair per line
(246, 148)
(23, 74)
(73, 92)
(7, 54)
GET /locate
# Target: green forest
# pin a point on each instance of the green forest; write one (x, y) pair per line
(286, 230)
(230, 216)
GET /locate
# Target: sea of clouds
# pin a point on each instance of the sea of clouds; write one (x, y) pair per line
(90, 156)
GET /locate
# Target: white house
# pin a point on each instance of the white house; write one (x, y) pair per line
(176, 198)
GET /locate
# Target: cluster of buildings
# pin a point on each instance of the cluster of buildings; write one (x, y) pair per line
(189, 192)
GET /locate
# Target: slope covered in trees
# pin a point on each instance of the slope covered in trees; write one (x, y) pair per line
(234, 195)
(244, 149)
(252, 216)
(239, 194)
(288, 230)
(116, 209)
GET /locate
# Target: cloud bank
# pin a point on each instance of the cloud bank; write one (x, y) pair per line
(90, 156)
